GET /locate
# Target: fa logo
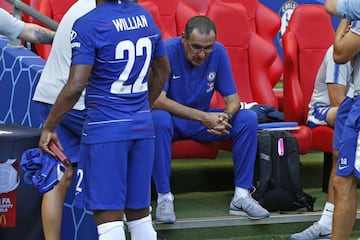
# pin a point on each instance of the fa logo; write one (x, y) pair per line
(286, 10)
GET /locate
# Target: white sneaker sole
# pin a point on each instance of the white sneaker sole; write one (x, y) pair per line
(244, 214)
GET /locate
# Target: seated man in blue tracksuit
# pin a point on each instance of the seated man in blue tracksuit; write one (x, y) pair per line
(199, 66)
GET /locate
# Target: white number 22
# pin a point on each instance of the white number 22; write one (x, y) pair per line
(119, 87)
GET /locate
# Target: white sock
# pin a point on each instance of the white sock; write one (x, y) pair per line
(241, 193)
(111, 230)
(163, 196)
(327, 215)
(142, 229)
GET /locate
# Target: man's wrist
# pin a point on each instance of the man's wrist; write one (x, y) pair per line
(229, 115)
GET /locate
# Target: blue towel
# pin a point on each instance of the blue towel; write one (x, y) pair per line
(267, 113)
(41, 169)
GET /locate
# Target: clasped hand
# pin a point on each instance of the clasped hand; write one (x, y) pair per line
(217, 123)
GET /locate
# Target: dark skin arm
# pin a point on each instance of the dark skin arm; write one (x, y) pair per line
(160, 70)
(69, 95)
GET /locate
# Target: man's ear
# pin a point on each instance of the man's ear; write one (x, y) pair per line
(183, 39)
(183, 35)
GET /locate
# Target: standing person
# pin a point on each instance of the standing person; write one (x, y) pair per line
(199, 66)
(346, 48)
(331, 84)
(52, 80)
(113, 47)
(349, 9)
(14, 28)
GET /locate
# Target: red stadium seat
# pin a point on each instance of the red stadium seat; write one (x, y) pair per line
(302, 58)
(7, 6)
(155, 12)
(266, 23)
(184, 11)
(53, 10)
(167, 14)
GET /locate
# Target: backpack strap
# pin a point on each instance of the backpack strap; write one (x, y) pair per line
(294, 173)
(263, 165)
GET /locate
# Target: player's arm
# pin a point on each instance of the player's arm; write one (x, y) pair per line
(330, 7)
(67, 98)
(36, 34)
(232, 104)
(349, 9)
(160, 70)
(346, 43)
(336, 93)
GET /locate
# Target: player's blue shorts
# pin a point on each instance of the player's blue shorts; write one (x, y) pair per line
(69, 130)
(317, 116)
(341, 117)
(349, 151)
(116, 175)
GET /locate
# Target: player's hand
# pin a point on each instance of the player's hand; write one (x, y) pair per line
(45, 138)
(218, 130)
(217, 123)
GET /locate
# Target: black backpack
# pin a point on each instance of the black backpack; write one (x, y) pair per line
(277, 173)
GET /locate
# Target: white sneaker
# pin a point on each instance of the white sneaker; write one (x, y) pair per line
(315, 231)
(248, 207)
(165, 211)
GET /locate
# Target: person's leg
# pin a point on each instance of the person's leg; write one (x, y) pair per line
(323, 227)
(109, 224)
(142, 228)
(345, 206)
(69, 132)
(244, 136)
(162, 166)
(245, 139)
(344, 182)
(139, 190)
(105, 196)
(244, 130)
(331, 116)
(318, 116)
(162, 161)
(52, 206)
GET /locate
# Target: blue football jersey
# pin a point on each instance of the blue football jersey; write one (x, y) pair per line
(119, 40)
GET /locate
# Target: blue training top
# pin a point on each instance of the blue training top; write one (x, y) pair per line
(194, 86)
(119, 40)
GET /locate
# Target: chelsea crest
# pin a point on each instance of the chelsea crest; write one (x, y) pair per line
(285, 12)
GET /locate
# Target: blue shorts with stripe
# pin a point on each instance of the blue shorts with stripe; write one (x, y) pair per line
(349, 150)
(69, 129)
(317, 116)
(341, 117)
(116, 175)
